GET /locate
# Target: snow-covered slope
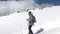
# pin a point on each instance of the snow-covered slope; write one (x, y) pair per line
(47, 18)
(52, 31)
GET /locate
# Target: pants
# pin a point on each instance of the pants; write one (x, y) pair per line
(30, 31)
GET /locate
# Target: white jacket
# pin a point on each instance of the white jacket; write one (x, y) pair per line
(30, 20)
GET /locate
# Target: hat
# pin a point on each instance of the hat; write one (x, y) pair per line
(29, 12)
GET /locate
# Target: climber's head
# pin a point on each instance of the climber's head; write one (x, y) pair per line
(30, 14)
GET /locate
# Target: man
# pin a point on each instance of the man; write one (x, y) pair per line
(31, 21)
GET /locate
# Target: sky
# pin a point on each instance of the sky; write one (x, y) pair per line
(53, 2)
(13, 15)
(23, 5)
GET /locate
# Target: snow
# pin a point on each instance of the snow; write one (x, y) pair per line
(52, 31)
(47, 18)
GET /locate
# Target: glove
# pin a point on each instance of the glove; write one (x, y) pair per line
(27, 19)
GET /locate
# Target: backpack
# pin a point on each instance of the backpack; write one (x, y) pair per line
(33, 19)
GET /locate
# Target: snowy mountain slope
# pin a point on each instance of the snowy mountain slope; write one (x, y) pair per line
(47, 18)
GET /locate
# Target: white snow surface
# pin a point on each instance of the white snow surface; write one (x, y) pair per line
(47, 18)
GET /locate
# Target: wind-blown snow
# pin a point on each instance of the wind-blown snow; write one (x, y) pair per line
(11, 6)
(47, 18)
(8, 7)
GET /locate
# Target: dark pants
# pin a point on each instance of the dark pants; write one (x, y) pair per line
(30, 31)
